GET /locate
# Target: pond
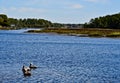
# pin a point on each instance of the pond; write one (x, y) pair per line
(60, 58)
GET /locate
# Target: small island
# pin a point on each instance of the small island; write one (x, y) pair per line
(83, 32)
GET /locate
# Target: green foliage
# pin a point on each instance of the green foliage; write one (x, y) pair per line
(24, 23)
(57, 25)
(4, 20)
(30, 23)
(109, 21)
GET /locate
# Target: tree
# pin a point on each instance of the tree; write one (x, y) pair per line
(109, 21)
(4, 20)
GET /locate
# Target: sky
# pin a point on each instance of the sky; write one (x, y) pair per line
(59, 11)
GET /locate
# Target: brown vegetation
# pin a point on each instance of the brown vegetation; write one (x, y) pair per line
(92, 32)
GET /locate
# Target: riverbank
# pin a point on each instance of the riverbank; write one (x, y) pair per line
(7, 28)
(83, 32)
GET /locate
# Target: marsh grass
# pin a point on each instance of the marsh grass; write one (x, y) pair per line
(114, 34)
(92, 32)
(4, 28)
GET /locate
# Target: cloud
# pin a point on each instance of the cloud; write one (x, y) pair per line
(92, 0)
(23, 12)
(77, 6)
(97, 1)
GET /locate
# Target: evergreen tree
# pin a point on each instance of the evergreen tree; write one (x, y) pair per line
(4, 20)
(109, 21)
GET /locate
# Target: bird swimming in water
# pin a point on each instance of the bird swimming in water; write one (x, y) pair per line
(25, 68)
(32, 66)
(26, 71)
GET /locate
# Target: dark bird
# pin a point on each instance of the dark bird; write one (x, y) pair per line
(26, 71)
(25, 68)
(32, 66)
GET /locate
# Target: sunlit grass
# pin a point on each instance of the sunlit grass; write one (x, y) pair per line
(92, 32)
(114, 34)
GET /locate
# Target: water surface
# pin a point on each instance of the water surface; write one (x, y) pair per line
(61, 59)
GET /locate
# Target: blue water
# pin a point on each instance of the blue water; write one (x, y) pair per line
(61, 59)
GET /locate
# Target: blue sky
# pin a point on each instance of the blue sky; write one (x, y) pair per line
(61, 11)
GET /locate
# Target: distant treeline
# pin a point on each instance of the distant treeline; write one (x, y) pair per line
(4, 20)
(109, 21)
(26, 23)
(30, 23)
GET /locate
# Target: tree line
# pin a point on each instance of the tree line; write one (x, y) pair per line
(29, 23)
(26, 23)
(4, 20)
(109, 21)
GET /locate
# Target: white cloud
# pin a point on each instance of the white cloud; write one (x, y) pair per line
(23, 12)
(34, 2)
(97, 1)
(92, 0)
(77, 6)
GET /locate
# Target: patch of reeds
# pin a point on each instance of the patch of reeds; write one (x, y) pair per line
(92, 32)
(113, 34)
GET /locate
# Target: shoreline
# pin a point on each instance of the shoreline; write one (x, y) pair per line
(83, 32)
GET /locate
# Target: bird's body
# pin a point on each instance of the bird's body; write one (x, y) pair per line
(26, 71)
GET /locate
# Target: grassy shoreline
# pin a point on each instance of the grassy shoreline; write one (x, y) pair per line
(7, 28)
(83, 32)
